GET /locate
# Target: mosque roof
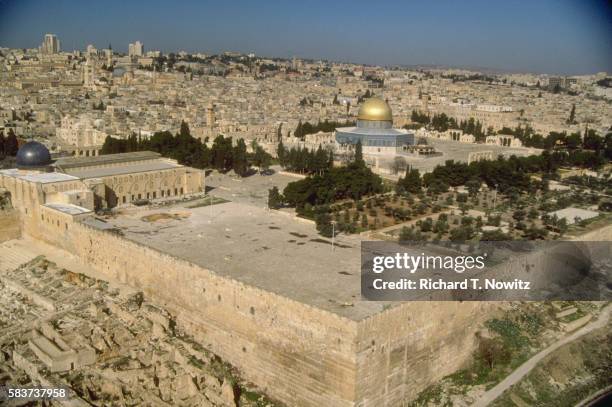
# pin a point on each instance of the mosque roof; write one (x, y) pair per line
(375, 109)
(33, 154)
(366, 131)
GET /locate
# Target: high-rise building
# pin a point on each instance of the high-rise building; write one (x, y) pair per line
(562, 82)
(50, 45)
(136, 49)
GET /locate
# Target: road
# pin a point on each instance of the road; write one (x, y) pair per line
(514, 377)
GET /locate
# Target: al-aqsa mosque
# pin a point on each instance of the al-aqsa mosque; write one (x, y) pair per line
(375, 131)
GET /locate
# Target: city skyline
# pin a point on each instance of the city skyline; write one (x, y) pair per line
(573, 38)
(350, 203)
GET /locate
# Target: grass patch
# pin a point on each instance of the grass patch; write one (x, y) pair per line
(513, 339)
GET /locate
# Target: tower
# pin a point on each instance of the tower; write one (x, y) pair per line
(109, 56)
(89, 72)
(210, 115)
(50, 45)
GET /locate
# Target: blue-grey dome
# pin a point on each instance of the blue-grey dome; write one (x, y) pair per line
(33, 154)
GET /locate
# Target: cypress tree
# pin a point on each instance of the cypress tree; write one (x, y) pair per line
(1, 144)
(359, 153)
(11, 145)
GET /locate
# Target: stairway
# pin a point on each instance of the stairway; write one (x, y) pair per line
(13, 254)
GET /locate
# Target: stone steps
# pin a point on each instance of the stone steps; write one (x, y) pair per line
(13, 254)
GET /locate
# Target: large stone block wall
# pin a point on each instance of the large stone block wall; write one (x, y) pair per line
(296, 353)
(301, 355)
(9, 225)
(403, 350)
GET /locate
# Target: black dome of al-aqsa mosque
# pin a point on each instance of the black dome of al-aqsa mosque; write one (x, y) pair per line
(33, 155)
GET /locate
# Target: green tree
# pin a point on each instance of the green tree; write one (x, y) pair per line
(279, 133)
(11, 145)
(184, 131)
(323, 223)
(350, 182)
(281, 153)
(519, 215)
(426, 225)
(364, 221)
(221, 153)
(441, 225)
(573, 141)
(462, 233)
(262, 159)
(299, 132)
(406, 234)
(411, 183)
(572, 116)
(473, 186)
(535, 233)
(562, 226)
(494, 235)
(275, 199)
(239, 160)
(359, 153)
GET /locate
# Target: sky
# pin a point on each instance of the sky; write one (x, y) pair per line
(542, 36)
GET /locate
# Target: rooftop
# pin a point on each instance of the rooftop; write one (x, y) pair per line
(128, 168)
(68, 208)
(72, 162)
(38, 177)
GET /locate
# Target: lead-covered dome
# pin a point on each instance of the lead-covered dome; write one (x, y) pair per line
(375, 109)
(33, 154)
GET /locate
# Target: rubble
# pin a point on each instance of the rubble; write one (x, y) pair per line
(110, 348)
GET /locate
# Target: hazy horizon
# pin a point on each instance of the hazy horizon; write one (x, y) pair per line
(547, 36)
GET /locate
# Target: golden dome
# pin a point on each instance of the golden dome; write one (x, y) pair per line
(375, 109)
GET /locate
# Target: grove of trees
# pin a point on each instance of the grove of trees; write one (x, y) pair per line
(505, 174)
(312, 196)
(304, 161)
(327, 126)
(190, 151)
(589, 140)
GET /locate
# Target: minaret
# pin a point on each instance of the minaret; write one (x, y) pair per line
(109, 56)
(89, 71)
(210, 115)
